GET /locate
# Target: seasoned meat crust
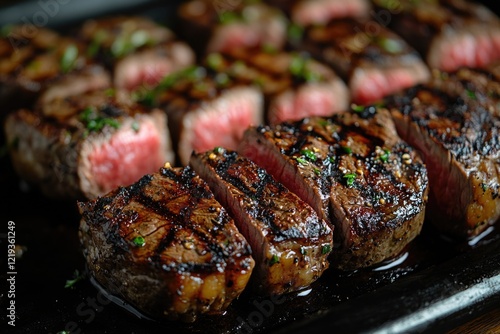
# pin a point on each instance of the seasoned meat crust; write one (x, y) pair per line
(166, 246)
(460, 144)
(356, 173)
(290, 243)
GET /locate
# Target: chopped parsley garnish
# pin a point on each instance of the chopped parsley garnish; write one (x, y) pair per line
(275, 259)
(94, 123)
(301, 161)
(484, 186)
(326, 249)
(317, 171)
(96, 42)
(295, 33)
(385, 156)
(68, 59)
(76, 278)
(471, 94)
(331, 159)
(215, 61)
(297, 65)
(350, 179)
(390, 45)
(218, 150)
(347, 149)
(323, 122)
(126, 44)
(136, 126)
(139, 241)
(269, 48)
(222, 79)
(110, 92)
(309, 154)
(229, 17)
(303, 251)
(357, 108)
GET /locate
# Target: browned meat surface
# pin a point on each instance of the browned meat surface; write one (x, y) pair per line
(206, 109)
(220, 26)
(290, 243)
(32, 60)
(356, 173)
(139, 51)
(166, 246)
(294, 85)
(448, 33)
(459, 141)
(374, 61)
(314, 12)
(87, 145)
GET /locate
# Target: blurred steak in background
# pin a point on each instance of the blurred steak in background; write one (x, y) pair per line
(448, 33)
(139, 51)
(374, 61)
(87, 145)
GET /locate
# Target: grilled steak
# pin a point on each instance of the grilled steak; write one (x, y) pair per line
(166, 246)
(356, 173)
(290, 243)
(448, 33)
(460, 144)
(374, 61)
(87, 145)
(314, 12)
(32, 60)
(206, 110)
(294, 86)
(139, 51)
(220, 26)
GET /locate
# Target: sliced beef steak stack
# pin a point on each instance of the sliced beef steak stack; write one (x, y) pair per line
(87, 145)
(38, 64)
(206, 109)
(460, 144)
(138, 51)
(356, 173)
(294, 85)
(448, 33)
(290, 243)
(166, 246)
(219, 26)
(373, 60)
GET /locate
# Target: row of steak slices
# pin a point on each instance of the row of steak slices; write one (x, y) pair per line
(345, 189)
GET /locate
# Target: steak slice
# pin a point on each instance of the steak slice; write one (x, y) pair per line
(448, 33)
(221, 26)
(356, 173)
(290, 243)
(460, 144)
(139, 51)
(206, 110)
(374, 61)
(166, 246)
(294, 85)
(87, 145)
(317, 12)
(31, 60)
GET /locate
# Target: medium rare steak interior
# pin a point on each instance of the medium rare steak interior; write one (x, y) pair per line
(87, 145)
(166, 246)
(356, 172)
(290, 243)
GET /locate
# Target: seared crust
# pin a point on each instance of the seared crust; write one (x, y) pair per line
(166, 246)
(357, 174)
(460, 143)
(289, 241)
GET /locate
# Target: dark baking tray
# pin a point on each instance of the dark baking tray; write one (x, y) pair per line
(437, 285)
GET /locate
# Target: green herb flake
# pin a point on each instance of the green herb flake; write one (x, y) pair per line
(347, 149)
(317, 171)
(228, 17)
(303, 251)
(110, 92)
(385, 156)
(325, 249)
(69, 58)
(471, 94)
(219, 150)
(275, 259)
(136, 126)
(390, 45)
(309, 154)
(297, 65)
(139, 241)
(215, 61)
(222, 79)
(95, 44)
(295, 33)
(331, 159)
(323, 122)
(94, 123)
(269, 48)
(357, 108)
(350, 177)
(301, 161)
(70, 283)
(484, 186)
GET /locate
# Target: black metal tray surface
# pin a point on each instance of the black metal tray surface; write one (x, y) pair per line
(436, 285)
